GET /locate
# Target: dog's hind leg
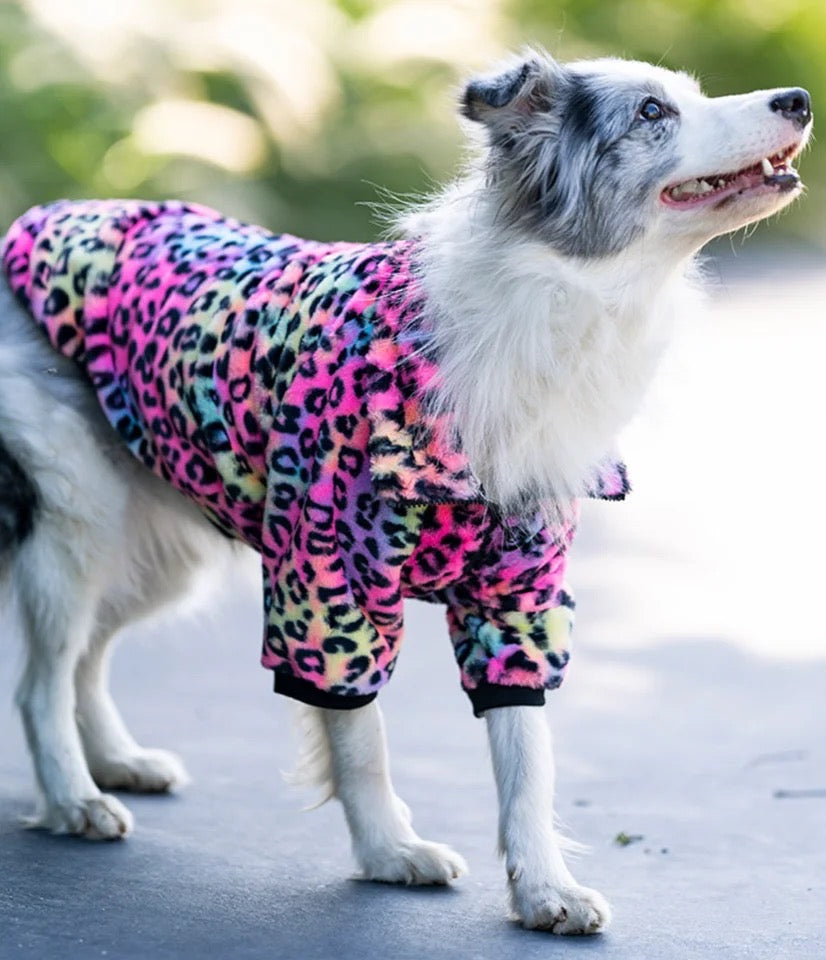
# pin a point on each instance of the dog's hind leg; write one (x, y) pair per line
(166, 545)
(544, 894)
(115, 759)
(65, 500)
(56, 580)
(345, 753)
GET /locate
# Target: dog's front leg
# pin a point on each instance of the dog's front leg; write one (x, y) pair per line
(385, 844)
(543, 893)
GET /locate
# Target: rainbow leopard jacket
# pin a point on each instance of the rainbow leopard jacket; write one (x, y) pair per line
(277, 383)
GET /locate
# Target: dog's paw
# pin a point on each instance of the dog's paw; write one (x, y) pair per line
(145, 771)
(569, 911)
(99, 818)
(416, 862)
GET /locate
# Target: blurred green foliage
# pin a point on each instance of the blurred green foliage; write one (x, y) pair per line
(292, 112)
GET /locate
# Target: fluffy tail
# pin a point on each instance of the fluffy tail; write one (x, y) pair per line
(18, 502)
(315, 766)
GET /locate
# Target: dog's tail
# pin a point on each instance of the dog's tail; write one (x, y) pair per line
(18, 503)
(315, 764)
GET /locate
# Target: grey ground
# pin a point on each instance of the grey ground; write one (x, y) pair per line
(697, 693)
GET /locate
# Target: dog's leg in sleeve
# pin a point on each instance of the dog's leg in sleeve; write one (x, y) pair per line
(386, 846)
(543, 893)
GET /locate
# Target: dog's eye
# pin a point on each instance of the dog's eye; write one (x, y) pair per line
(651, 109)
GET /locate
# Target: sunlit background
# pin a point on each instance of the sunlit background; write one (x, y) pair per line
(294, 113)
(291, 111)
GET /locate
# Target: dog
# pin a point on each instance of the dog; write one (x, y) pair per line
(417, 417)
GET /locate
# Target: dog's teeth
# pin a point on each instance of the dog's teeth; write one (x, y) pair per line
(766, 164)
(721, 183)
(688, 189)
(694, 188)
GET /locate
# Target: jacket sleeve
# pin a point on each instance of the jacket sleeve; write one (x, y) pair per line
(511, 617)
(332, 592)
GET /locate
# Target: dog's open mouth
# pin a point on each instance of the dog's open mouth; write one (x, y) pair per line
(775, 173)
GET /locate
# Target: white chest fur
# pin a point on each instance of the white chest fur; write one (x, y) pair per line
(543, 358)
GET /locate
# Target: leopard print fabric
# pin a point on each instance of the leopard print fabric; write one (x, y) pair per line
(277, 383)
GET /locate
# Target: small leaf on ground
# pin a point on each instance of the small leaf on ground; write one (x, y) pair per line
(623, 839)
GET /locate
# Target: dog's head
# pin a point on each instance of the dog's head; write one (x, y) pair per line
(593, 156)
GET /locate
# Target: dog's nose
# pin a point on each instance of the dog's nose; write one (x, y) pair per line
(795, 105)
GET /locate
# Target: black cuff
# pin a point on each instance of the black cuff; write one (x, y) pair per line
(308, 693)
(489, 696)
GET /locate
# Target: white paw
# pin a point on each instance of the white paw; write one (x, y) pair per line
(100, 818)
(571, 911)
(415, 862)
(145, 771)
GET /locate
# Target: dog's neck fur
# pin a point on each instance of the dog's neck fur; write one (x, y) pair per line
(543, 359)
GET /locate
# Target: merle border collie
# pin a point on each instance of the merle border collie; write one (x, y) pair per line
(551, 268)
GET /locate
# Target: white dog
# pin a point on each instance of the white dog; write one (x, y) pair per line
(540, 291)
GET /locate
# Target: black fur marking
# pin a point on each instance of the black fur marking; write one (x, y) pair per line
(18, 501)
(581, 112)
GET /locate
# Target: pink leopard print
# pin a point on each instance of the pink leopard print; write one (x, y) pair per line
(279, 383)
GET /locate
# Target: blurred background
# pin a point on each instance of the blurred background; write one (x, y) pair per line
(290, 113)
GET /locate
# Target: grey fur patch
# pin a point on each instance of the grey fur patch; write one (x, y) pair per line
(571, 161)
(18, 501)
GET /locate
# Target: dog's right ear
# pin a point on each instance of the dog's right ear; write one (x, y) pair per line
(503, 101)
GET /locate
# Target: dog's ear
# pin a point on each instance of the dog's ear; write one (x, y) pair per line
(504, 100)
